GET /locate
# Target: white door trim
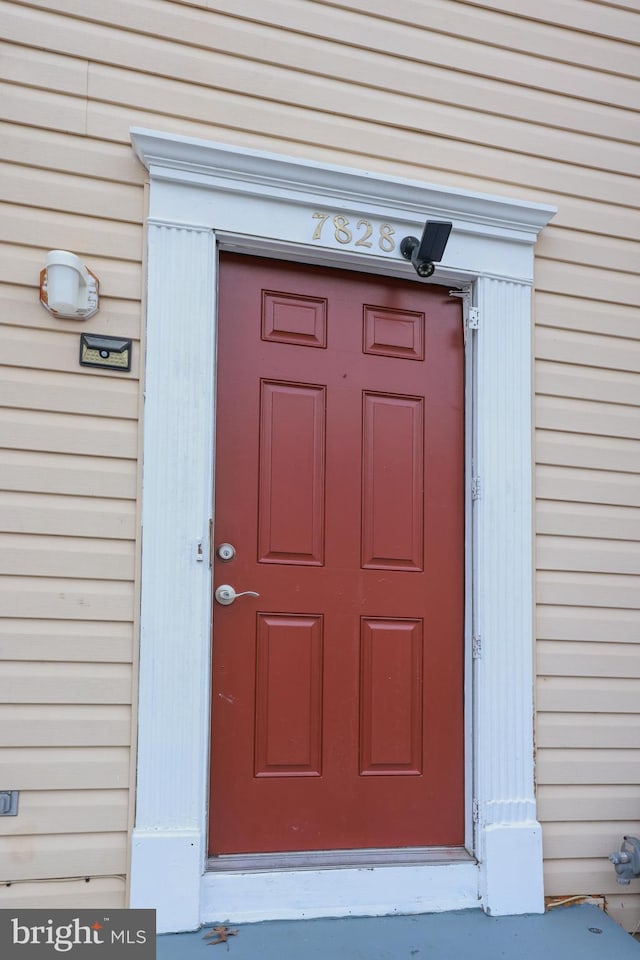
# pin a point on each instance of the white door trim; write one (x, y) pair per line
(203, 194)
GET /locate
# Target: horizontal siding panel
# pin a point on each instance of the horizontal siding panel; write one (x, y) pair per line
(588, 349)
(64, 855)
(85, 893)
(364, 76)
(587, 624)
(67, 516)
(589, 589)
(629, 4)
(118, 278)
(57, 599)
(586, 416)
(606, 22)
(326, 95)
(589, 695)
(57, 473)
(575, 841)
(71, 194)
(594, 876)
(66, 641)
(564, 13)
(586, 316)
(43, 68)
(580, 210)
(76, 392)
(588, 731)
(587, 520)
(119, 318)
(388, 152)
(242, 51)
(70, 557)
(65, 768)
(68, 811)
(70, 154)
(360, 144)
(30, 682)
(408, 39)
(371, 142)
(599, 453)
(56, 111)
(557, 658)
(86, 236)
(54, 351)
(66, 433)
(383, 149)
(585, 486)
(583, 554)
(610, 253)
(587, 383)
(588, 766)
(64, 725)
(574, 279)
(588, 802)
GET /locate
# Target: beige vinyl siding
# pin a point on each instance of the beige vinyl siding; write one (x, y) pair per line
(588, 521)
(69, 439)
(505, 96)
(79, 894)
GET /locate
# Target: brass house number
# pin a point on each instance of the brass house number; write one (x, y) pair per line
(354, 233)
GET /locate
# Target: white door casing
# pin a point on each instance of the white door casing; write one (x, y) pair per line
(204, 195)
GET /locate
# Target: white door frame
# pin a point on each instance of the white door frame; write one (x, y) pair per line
(203, 195)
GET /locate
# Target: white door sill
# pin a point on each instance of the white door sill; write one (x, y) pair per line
(366, 889)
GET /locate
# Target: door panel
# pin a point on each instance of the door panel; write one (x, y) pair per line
(391, 705)
(392, 499)
(291, 503)
(337, 708)
(288, 727)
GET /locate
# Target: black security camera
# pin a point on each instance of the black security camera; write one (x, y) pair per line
(429, 249)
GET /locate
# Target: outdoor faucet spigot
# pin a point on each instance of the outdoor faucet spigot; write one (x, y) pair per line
(626, 860)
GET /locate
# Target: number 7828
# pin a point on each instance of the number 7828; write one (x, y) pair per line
(344, 232)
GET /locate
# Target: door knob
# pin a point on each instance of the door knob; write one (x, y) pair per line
(225, 594)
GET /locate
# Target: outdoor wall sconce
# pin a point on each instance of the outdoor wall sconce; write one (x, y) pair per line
(68, 289)
(427, 251)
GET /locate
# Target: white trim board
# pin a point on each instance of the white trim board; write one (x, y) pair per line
(205, 195)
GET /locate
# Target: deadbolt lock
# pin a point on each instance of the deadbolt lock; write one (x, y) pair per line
(226, 552)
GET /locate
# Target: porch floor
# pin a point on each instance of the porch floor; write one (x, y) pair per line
(581, 931)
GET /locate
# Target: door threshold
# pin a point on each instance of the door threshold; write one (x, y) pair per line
(317, 859)
(321, 884)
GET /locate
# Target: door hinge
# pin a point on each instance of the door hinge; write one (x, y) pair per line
(476, 647)
(475, 811)
(476, 488)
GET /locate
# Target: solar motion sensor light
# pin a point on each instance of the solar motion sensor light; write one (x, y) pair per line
(429, 249)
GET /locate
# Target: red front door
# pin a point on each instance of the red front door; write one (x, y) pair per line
(337, 711)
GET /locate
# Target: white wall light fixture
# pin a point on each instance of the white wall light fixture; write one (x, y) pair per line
(68, 289)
